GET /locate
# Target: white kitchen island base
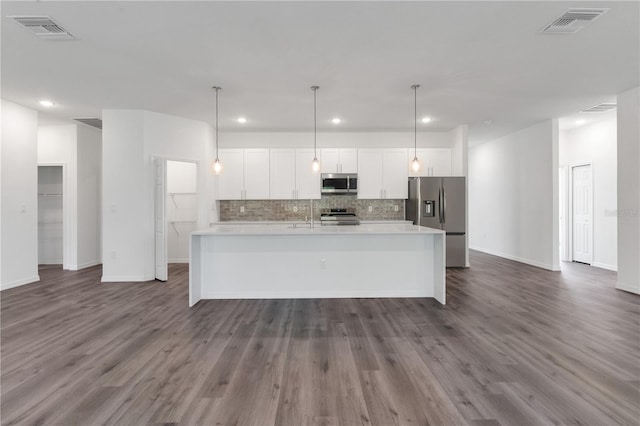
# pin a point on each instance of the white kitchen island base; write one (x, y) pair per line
(279, 262)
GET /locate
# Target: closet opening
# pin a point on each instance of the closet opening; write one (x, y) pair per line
(51, 215)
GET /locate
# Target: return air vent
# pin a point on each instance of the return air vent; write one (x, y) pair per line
(93, 122)
(43, 27)
(572, 21)
(600, 108)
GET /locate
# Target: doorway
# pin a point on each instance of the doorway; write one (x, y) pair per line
(50, 215)
(582, 214)
(176, 208)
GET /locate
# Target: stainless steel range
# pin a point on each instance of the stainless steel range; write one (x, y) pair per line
(339, 216)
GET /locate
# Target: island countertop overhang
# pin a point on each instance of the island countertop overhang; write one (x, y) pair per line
(305, 229)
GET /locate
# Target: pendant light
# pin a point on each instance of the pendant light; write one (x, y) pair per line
(315, 164)
(415, 163)
(217, 164)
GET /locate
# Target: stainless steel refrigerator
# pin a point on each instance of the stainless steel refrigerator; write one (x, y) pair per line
(440, 202)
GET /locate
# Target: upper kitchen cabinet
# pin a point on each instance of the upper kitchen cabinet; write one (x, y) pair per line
(245, 174)
(382, 173)
(433, 162)
(291, 175)
(339, 160)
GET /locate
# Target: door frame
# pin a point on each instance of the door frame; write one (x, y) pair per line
(65, 213)
(570, 210)
(200, 183)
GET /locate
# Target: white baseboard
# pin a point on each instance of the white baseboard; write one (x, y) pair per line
(518, 259)
(178, 261)
(124, 278)
(627, 288)
(84, 265)
(605, 266)
(18, 283)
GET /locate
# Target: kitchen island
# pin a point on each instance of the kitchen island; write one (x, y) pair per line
(301, 261)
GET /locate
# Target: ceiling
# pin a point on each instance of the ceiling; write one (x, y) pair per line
(478, 63)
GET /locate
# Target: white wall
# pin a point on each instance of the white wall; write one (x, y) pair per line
(19, 191)
(596, 144)
(629, 191)
(131, 138)
(460, 150)
(513, 196)
(89, 189)
(57, 145)
(334, 139)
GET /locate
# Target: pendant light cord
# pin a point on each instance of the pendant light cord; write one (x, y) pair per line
(217, 89)
(415, 120)
(315, 121)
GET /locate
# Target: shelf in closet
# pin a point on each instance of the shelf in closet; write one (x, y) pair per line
(45, 194)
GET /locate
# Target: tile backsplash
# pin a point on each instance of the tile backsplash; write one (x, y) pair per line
(285, 210)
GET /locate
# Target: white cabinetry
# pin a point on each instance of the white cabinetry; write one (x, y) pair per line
(291, 175)
(382, 173)
(245, 174)
(433, 162)
(339, 160)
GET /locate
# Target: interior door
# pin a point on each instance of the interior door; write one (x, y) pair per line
(160, 195)
(582, 205)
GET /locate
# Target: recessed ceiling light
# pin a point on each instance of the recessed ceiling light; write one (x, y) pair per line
(242, 120)
(336, 120)
(426, 119)
(580, 122)
(46, 103)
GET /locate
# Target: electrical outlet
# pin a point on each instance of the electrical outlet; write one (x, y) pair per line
(323, 263)
(295, 209)
(370, 209)
(241, 209)
(395, 208)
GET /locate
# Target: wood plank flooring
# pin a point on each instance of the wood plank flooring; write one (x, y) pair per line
(516, 345)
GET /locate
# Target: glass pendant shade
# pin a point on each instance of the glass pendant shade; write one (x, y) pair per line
(315, 165)
(415, 164)
(217, 166)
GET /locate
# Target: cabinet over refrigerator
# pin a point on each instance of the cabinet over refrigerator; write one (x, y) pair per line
(440, 203)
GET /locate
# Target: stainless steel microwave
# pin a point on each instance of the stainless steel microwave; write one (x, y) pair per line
(339, 183)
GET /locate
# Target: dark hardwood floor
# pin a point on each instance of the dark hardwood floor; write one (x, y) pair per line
(516, 345)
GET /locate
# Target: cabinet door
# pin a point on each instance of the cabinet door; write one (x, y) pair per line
(282, 174)
(370, 173)
(256, 174)
(329, 160)
(440, 159)
(307, 182)
(230, 181)
(394, 173)
(349, 160)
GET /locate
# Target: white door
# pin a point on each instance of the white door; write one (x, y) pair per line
(160, 225)
(230, 181)
(307, 182)
(256, 174)
(582, 213)
(282, 175)
(394, 174)
(370, 173)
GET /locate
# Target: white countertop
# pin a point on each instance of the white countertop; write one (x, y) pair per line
(305, 229)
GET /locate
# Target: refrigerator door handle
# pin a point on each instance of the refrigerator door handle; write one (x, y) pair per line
(444, 206)
(440, 205)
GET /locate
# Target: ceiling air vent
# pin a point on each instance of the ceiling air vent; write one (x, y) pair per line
(43, 27)
(572, 21)
(600, 108)
(93, 122)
